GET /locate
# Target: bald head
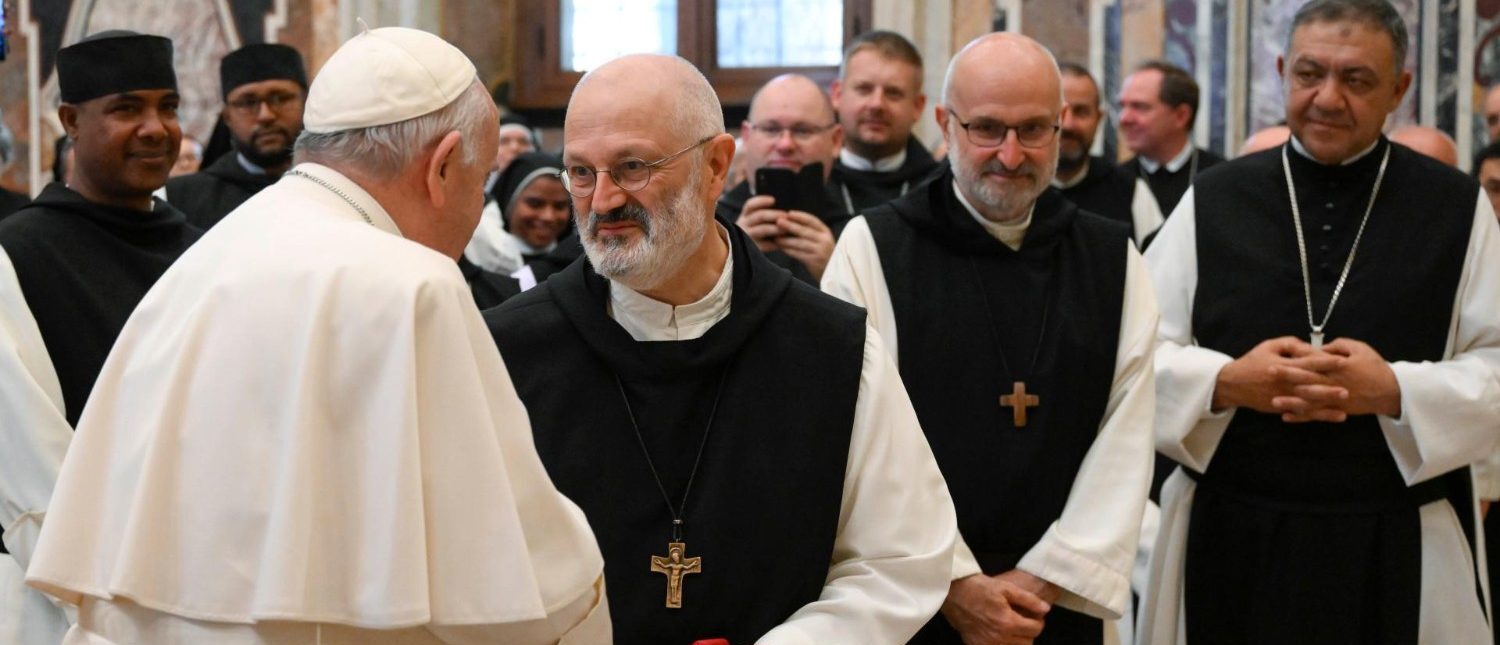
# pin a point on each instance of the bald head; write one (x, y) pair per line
(1429, 141)
(791, 125)
(1265, 139)
(1003, 104)
(1002, 58)
(634, 90)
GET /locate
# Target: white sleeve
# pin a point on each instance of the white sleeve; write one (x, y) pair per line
(1450, 410)
(854, 275)
(33, 429)
(893, 552)
(1145, 214)
(1090, 550)
(1186, 374)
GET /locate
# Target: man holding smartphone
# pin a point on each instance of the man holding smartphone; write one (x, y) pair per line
(791, 126)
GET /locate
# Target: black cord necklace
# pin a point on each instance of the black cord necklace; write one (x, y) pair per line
(675, 564)
(1018, 400)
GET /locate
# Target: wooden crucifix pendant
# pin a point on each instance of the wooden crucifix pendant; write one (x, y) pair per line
(675, 565)
(1018, 400)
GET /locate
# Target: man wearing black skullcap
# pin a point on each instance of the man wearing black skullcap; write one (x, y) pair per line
(264, 86)
(73, 265)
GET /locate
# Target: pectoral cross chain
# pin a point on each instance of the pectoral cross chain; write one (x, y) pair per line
(675, 565)
(1018, 400)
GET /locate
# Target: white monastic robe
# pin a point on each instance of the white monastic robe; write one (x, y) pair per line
(305, 435)
(34, 436)
(1450, 417)
(1090, 551)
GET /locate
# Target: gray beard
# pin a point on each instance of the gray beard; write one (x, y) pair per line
(667, 240)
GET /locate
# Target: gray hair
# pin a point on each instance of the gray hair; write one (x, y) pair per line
(383, 151)
(1377, 14)
(696, 111)
(952, 64)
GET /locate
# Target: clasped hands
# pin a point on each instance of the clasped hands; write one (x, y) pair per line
(1287, 376)
(1005, 609)
(800, 235)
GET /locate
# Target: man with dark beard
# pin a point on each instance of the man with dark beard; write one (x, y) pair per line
(1092, 182)
(710, 414)
(264, 86)
(1023, 329)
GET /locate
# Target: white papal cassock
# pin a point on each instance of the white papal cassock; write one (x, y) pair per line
(305, 434)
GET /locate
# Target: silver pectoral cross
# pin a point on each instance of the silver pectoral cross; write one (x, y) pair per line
(1317, 340)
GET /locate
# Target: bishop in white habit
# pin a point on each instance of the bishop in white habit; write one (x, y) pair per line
(740, 442)
(304, 434)
(1023, 329)
(76, 261)
(1328, 368)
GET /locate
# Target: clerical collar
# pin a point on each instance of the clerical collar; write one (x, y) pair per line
(1083, 173)
(888, 164)
(1174, 164)
(1010, 234)
(348, 194)
(250, 166)
(646, 319)
(1297, 146)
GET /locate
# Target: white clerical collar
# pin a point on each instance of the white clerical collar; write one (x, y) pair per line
(1009, 233)
(249, 166)
(646, 319)
(1083, 174)
(349, 194)
(1297, 145)
(1174, 164)
(887, 164)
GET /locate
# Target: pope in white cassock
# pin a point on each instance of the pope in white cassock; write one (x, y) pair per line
(304, 434)
(1023, 328)
(1328, 368)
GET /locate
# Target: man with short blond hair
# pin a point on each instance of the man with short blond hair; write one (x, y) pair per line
(879, 99)
(740, 442)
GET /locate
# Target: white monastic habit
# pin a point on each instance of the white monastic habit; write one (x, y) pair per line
(880, 580)
(1449, 417)
(1091, 549)
(35, 436)
(304, 431)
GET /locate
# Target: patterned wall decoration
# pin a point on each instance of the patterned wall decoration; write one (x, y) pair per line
(1486, 59)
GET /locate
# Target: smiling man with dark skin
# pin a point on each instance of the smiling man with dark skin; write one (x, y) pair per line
(83, 255)
(1328, 367)
(264, 88)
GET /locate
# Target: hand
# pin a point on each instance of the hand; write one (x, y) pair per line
(1268, 377)
(1367, 377)
(807, 239)
(758, 220)
(996, 610)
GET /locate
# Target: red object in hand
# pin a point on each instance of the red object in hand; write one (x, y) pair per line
(712, 641)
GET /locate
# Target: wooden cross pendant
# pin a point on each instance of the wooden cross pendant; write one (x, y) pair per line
(1018, 400)
(675, 566)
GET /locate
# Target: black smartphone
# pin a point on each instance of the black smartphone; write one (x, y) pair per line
(793, 191)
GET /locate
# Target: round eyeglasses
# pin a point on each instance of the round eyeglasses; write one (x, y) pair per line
(988, 133)
(630, 174)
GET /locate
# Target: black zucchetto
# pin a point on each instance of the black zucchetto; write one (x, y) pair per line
(112, 62)
(261, 62)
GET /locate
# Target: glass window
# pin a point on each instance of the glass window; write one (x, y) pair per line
(780, 33)
(596, 31)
